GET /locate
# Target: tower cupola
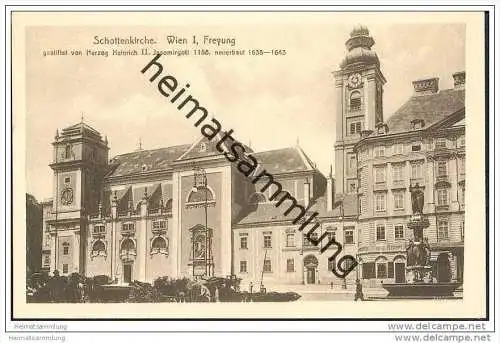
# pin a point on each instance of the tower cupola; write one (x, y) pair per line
(359, 49)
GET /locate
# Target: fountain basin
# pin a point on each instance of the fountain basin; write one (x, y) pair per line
(421, 290)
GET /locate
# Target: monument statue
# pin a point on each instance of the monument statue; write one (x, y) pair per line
(417, 199)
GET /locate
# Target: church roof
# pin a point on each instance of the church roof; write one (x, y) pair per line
(286, 160)
(432, 108)
(145, 160)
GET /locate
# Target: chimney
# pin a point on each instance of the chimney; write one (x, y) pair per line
(307, 193)
(330, 195)
(426, 86)
(459, 80)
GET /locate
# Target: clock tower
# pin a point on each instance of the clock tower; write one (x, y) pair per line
(358, 104)
(80, 159)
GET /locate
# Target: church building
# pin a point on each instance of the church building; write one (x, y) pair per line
(185, 210)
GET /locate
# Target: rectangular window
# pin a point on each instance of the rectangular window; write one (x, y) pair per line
(290, 239)
(462, 165)
(398, 149)
(399, 200)
(160, 224)
(99, 229)
(243, 266)
(416, 170)
(358, 127)
(65, 268)
(267, 241)
(267, 266)
(398, 172)
(381, 270)
(290, 265)
(128, 227)
(380, 202)
(46, 260)
(65, 250)
(379, 174)
(443, 229)
(398, 231)
(352, 164)
(353, 128)
(380, 232)
(415, 147)
(349, 235)
(379, 151)
(442, 197)
(442, 168)
(331, 264)
(67, 179)
(308, 240)
(330, 234)
(440, 143)
(244, 242)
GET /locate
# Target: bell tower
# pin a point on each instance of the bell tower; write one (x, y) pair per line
(358, 104)
(80, 158)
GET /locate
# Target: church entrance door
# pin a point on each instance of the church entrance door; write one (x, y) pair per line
(127, 273)
(311, 275)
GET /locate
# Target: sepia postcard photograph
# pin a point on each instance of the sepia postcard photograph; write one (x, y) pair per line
(280, 165)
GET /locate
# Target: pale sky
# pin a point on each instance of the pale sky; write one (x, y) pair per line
(268, 100)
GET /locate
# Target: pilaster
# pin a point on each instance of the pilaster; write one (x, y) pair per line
(76, 252)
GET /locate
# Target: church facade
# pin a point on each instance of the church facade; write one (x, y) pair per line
(186, 211)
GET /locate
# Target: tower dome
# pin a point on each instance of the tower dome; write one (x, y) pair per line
(359, 48)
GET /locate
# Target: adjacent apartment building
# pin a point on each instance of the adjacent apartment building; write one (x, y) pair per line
(185, 210)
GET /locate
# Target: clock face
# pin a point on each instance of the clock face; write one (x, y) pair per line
(67, 196)
(354, 80)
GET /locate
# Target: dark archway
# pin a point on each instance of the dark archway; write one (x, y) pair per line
(310, 267)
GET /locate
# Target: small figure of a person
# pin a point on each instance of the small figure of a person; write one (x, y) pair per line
(359, 291)
(204, 293)
(250, 288)
(216, 295)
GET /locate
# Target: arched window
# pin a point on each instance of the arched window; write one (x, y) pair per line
(158, 245)
(355, 101)
(199, 196)
(67, 151)
(381, 267)
(168, 205)
(128, 251)
(256, 198)
(98, 248)
(128, 245)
